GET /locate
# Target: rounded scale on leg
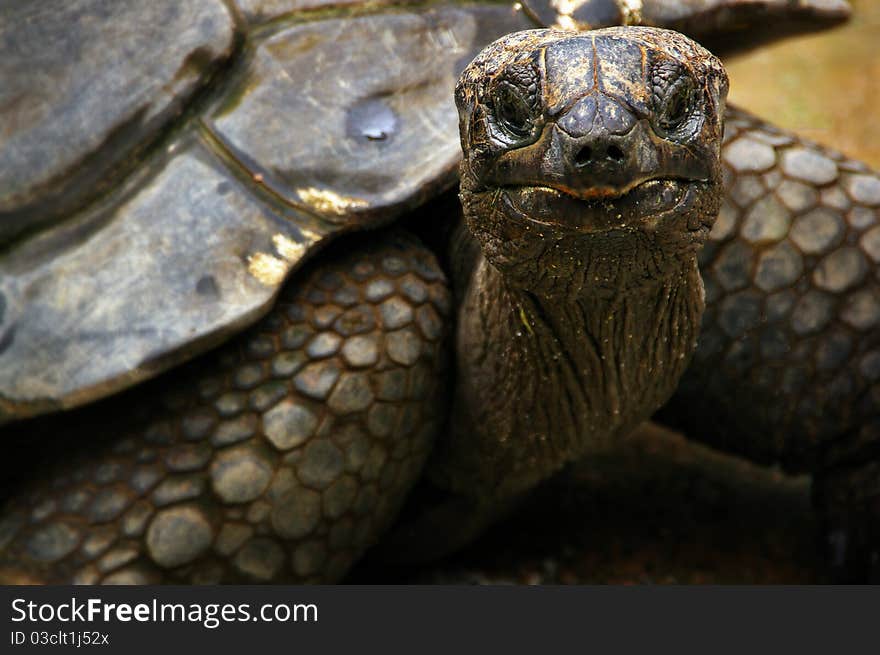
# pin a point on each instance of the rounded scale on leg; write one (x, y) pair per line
(788, 365)
(279, 457)
(789, 352)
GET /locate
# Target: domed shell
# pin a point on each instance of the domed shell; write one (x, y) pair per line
(165, 165)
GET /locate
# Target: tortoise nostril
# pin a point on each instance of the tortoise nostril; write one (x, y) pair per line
(583, 156)
(615, 154)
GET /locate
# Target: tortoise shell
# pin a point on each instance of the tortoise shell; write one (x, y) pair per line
(165, 166)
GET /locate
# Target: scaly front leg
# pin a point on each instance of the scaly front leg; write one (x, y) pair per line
(278, 458)
(788, 366)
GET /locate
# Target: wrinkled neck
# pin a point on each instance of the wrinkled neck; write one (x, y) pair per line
(541, 382)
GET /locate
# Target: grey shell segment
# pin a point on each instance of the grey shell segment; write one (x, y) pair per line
(85, 84)
(164, 166)
(193, 244)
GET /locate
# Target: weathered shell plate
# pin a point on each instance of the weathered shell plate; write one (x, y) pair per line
(723, 26)
(86, 82)
(197, 241)
(182, 257)
(355, 116)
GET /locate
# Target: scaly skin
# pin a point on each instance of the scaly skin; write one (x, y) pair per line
(279, 458)
(216, 486)
(788, 361)
(290, 453)
(788, 366)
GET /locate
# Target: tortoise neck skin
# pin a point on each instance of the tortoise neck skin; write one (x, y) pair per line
(591, 177)
(542, 382)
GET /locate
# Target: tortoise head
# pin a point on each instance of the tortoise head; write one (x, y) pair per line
(591, 161)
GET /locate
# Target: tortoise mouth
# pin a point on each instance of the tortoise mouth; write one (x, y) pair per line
(640, 206)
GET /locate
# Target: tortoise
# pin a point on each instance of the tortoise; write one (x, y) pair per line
(281, 176)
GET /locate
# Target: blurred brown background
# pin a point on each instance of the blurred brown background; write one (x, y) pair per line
(662, 509)
(826, 86)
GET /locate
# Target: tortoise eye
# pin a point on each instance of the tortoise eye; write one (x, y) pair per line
(674, 99)
(675, 96)
(676, 106)
(512, 111)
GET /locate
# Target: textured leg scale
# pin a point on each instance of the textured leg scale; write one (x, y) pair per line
(788, 365)
(277, 458)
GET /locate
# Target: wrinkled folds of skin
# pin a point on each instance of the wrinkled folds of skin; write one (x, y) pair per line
(590, 180)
